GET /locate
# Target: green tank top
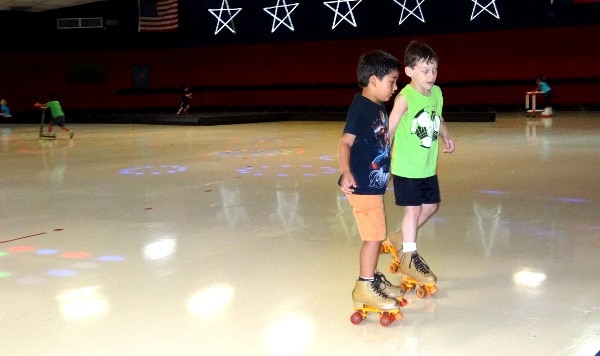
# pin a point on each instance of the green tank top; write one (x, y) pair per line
(55, 108)
(415, 146)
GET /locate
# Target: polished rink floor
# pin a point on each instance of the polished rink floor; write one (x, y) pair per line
(234, 240)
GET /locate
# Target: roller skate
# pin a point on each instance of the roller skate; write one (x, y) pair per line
(389, 289)
(415, 272)
(369, 298)
(388, 247)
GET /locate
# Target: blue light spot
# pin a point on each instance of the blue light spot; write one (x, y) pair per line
(493, 192)
(572, 200)
(61, 272)
(47, 251)
(111, 258)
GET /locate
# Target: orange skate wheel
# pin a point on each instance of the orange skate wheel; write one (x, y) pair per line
(392, 268)
(421, 292)
(356, 318)
(404, 287)
(386, 319)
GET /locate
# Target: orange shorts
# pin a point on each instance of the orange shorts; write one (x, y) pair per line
(369, 213)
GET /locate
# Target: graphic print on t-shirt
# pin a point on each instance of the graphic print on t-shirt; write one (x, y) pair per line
(380, 173)
(426, 125)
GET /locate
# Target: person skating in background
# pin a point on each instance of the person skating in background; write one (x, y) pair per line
(186, 96)
(546, 90)
(57, 115)
(5, 110)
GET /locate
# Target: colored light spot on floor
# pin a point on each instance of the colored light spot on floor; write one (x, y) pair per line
(111, 258)
(61, 272)
(20, 249)
(47, 251)
(76, 255)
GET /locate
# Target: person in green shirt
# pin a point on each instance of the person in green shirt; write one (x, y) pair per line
(57, 115)
(416, 124)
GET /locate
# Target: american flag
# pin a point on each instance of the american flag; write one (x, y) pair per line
(158, 15)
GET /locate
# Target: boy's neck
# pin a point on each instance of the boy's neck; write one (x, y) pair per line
(421, 90)
(367, 94)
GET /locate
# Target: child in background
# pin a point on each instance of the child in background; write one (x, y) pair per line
(364, 164)
(186, 96)
(57, 116)
(545, 88)
(5, 110)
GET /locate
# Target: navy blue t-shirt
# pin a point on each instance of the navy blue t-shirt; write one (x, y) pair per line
(370, 153)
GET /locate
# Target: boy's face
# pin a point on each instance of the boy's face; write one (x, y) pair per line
(423, 75)
(384, 88)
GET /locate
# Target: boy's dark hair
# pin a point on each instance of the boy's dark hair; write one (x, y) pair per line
(378, 63)
(417, 51)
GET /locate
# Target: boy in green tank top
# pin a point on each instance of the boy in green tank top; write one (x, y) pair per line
(416, 123)
(57, 115)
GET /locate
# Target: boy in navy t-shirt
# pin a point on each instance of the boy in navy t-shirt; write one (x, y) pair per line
(364, 158)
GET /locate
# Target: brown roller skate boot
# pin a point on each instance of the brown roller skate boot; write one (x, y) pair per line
(369, 298)
(389, 289)
(367, 293)
(415, 272)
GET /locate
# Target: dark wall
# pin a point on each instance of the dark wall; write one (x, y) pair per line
(478, 69)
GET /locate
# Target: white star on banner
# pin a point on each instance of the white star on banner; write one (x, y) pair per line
(406, 12)
(230, 12)
(484, 8)
(285, 20)
(338, 12)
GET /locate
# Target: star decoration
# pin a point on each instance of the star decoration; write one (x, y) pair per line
(347, 16)
(485, 8)
(286, 19)
(406, 12)
(218, 14)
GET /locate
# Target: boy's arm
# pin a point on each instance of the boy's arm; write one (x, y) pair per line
(399, 109)
(347, 182)
(445, 135)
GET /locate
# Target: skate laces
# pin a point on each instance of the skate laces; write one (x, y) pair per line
(419, 263)
(376, 287)
(382, 281)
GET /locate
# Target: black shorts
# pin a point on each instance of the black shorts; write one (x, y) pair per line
(59, 121)
(416, 191)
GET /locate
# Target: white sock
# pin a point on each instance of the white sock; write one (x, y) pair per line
(409, 246)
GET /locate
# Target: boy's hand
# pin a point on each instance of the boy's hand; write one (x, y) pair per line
(347, 183)
(449, 146)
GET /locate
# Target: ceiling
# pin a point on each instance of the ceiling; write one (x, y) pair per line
(40, 5)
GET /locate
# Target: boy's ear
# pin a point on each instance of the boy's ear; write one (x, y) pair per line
(408, 71)
(373, 79)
